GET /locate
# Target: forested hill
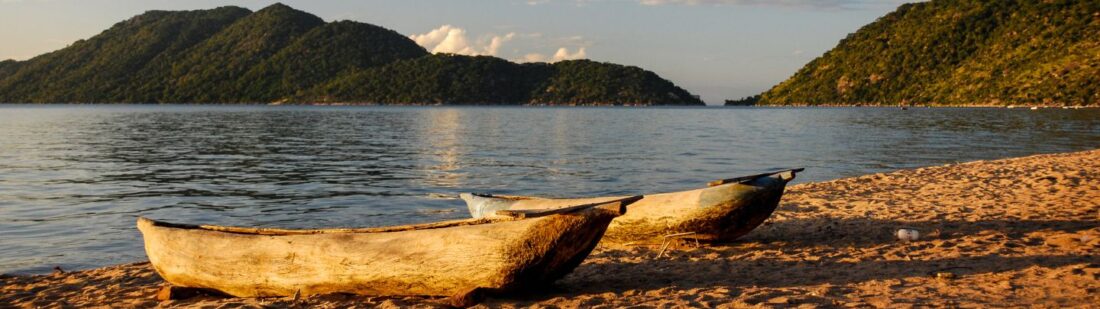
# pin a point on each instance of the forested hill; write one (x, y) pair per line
(279, 54)
(960, 52)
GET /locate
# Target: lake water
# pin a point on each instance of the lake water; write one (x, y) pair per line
(73, 178)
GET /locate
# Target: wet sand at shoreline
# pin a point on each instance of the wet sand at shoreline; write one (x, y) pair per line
(1013, 232)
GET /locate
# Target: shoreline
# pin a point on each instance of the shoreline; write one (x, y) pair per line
(541, 105)
(1005, 232)
(1006, 106)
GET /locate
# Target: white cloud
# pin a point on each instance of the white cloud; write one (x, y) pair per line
(451, 39)
(564, 54)
(532, 57)
(455, 40)
(497, 41)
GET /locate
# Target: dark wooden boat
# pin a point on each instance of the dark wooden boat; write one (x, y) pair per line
(723, 211)
(511, 251)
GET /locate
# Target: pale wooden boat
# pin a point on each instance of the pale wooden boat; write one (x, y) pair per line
(723, 211)
(512, 251)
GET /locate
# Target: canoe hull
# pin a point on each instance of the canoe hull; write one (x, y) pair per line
(492, 258)
(719, 213)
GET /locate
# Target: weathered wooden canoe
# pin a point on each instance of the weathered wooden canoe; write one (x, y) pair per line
(725, 210)
(513, 251)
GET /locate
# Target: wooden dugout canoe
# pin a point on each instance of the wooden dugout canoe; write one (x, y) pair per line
(723, 211)
(513, 251)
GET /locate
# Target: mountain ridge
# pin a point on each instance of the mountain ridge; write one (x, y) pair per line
(283, 55)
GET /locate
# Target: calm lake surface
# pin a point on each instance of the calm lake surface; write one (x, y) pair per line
(73, 178)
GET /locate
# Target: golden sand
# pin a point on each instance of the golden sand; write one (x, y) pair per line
(1014, 232)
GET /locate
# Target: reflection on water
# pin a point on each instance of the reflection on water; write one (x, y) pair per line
(444, 131)
(73, 178)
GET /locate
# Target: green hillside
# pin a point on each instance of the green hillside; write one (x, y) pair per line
(583, 81)
(960, 52)
(490, 80)
(114, 65)
(211, 71)
(325, 52)
(7, 67)
(279, 54)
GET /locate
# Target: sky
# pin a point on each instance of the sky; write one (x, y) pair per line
(719, 49)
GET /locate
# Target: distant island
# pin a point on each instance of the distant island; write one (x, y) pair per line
(282, 55)
(746, 101)
(959, 52)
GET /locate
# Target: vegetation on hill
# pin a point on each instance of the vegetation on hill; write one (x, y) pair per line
(585, 82)
(323, 53)
(118, 64)
(211, 71)
(7, 67)
(746, 101)
(279, 54)
(960, 52)
(433, 79)
(488, 80)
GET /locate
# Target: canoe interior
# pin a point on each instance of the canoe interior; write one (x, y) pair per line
(506, 215)
(278, 231)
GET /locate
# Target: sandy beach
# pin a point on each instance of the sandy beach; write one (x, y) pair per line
(1013, 232)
